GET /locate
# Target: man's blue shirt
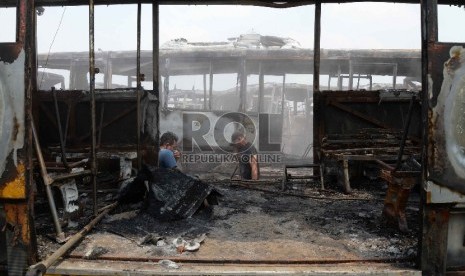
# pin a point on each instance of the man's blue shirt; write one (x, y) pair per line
(166, 159)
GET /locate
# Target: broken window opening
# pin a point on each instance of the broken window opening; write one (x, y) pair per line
(8, 23)
(62, 56)
(360, 58)
(449, 18)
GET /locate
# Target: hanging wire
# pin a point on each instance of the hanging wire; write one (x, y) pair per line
(50, 48)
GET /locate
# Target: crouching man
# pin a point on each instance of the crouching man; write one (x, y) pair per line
(169, 153)
(247, 155)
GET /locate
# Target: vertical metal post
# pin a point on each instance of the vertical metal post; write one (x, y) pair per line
(30, 89)
(204, 92)
(210, 93)
(394, 76)
(435, 218)
(166, 89)
(405, 133)
(108, 78)
(283, 98)
(345, 165)
(261, 84)
(351, 75)
(156, 73)
(316, 82)
(243, 91)
(339, 78)
(92, 103)
(60, 132)
(316, 48)
(47, 181)
(138, 88)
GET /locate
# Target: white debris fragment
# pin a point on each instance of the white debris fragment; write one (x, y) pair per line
(161, 243)
(95, 252)
(192, 246)
(168, 264)
(201, 238)
(180, 244)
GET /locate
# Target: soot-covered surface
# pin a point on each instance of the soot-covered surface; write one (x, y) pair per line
(249, 224)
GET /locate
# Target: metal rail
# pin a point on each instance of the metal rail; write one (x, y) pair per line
(405, 133)
(41, 267)
(47, 181)
(60, 131)
(242, 261)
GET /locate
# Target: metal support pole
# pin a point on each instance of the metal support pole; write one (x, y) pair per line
(138, 89)
(351, 75)
(210, 93)
(156, 73)
(166, 89)
(47, 181)
(60, 131)
(243, 90)
(108, 77)
(345, 167)
(204, 92)
(283, 96)
(405, 133)
(394, 76)
(261, 84)
(92, 103)
(316, 51)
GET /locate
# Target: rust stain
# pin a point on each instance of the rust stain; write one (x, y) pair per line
(16, 187)
(15, 128)
(16, 215)
(428, 197)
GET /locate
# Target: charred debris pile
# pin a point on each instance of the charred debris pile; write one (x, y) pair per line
(169, 215)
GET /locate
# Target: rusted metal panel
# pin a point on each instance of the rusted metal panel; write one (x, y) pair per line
(116, 107)
(12, 112)
(445, 165)
(17, 217)
(349, 111)
(434, 239)
(15, 188)
(17, 62)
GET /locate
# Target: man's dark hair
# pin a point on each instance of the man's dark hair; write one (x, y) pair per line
(236, 135)
(168, 138)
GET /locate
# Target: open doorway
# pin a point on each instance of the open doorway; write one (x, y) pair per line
(217, 60)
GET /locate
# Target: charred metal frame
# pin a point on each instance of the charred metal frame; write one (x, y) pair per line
(436, 215)
(16, 192)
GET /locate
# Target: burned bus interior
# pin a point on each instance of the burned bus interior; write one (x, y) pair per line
(354, 110)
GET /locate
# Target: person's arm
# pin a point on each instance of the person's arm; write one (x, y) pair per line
(167, 159)
(254, 167)
(171, 161)
(177, 154)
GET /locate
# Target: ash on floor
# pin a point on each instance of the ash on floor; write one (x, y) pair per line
(251, 224)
